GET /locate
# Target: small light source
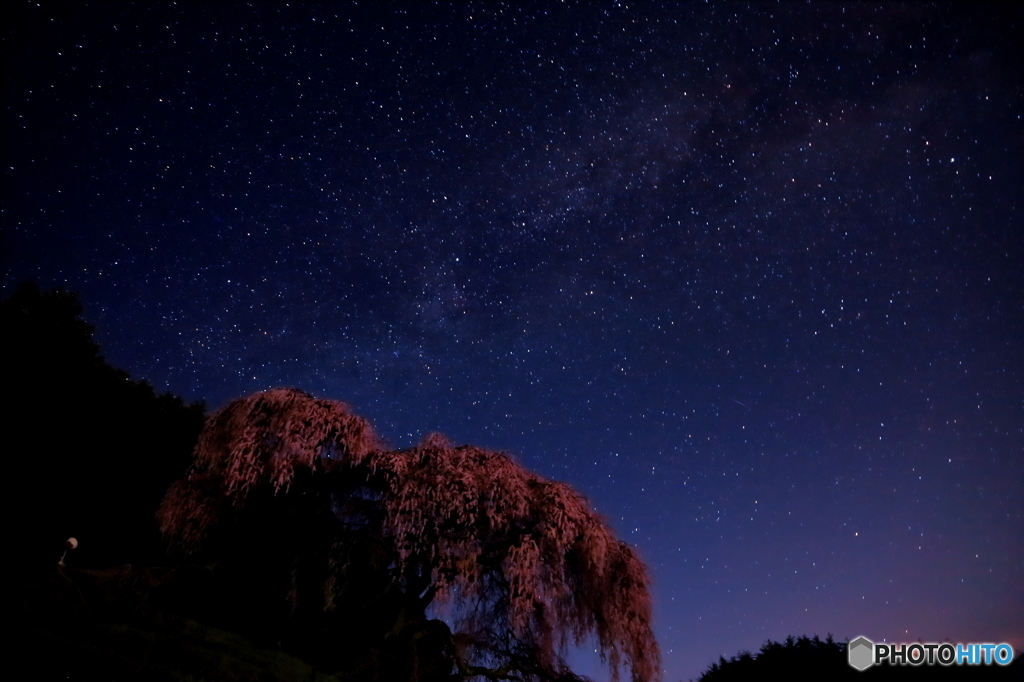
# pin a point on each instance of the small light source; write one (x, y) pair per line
(71, 544)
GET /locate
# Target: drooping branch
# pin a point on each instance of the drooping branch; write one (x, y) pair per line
(260, 441)
(529, 565)
(494, 533)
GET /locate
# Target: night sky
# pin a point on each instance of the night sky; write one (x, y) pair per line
(749, 277)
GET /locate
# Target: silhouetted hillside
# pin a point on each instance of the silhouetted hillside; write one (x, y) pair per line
(90, 451)
(123, 624)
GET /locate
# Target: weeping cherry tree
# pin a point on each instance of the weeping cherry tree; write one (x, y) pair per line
(522, 565)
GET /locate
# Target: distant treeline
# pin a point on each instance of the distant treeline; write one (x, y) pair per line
(89, 451)
(803, 658)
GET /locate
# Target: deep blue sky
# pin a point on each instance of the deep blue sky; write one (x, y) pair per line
(749, 277)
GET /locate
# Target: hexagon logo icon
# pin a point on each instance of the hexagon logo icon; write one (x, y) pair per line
(861, 653)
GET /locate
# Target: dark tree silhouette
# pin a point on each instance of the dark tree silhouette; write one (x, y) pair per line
(300, 493)
(98, 470)
(803, 658)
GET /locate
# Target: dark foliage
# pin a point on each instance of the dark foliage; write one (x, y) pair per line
(119, 625)
(802, 658)
(90, 452)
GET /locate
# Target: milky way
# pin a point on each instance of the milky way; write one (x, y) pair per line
(748, 277)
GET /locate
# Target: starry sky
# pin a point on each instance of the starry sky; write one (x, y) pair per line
(747, 276)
